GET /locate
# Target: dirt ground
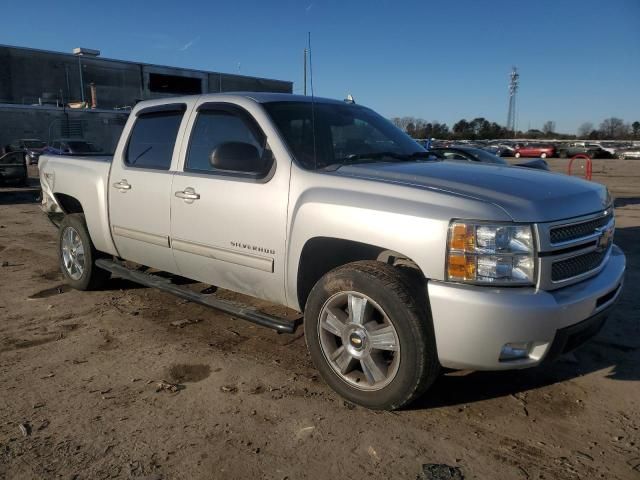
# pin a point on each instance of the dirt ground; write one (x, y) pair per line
(79, 371)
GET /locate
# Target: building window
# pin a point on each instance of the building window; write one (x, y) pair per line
(175, 84)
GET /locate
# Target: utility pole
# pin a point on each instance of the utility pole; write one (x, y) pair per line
(305, 72)
(81, 81)
(514, 77)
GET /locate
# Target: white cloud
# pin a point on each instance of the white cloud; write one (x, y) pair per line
(189, 44)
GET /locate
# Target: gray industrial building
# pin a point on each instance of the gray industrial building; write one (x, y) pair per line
(37, 87)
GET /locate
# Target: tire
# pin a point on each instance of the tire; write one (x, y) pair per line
(517, 155)
(543, 155)
(394, 303)
(563, 154)
(77, 255)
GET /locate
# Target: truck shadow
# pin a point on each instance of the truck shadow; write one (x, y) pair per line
(614, 350)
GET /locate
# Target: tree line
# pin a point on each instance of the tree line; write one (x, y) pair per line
(482, 129)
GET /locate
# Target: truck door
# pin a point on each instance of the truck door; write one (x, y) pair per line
(229, 203)
(140, 187)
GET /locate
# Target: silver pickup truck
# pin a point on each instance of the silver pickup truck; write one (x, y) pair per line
(401, 263)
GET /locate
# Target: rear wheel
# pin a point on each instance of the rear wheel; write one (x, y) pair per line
(517, 155)
(370, 335)
(543, 155)
(78, 255)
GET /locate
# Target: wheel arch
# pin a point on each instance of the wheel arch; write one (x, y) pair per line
(68, 203)
(321, 254)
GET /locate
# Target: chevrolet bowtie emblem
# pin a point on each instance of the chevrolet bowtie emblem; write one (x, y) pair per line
(605, 239)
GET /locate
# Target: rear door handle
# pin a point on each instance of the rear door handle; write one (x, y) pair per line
(122, 185)
(188, 195)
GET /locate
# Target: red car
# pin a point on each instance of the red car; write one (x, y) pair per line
(542, 151)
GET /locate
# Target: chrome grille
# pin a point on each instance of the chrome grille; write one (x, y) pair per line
(573, 250)
(575, 266)
(567, 233)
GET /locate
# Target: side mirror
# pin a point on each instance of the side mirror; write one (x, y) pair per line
(237, 157)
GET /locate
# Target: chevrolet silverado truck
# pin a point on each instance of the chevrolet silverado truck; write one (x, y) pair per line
(401, 264)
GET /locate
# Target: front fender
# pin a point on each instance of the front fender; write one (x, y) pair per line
(410, 221)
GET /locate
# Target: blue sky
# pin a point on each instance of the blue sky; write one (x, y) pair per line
(440, 60)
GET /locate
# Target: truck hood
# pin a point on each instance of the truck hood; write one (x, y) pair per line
(526, 195)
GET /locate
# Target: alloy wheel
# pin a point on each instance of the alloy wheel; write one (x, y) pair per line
(359, 341)
(73, 253)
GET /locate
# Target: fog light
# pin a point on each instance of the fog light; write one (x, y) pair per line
(515, 351)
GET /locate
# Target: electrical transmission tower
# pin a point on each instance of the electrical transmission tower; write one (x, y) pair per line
(513, 89)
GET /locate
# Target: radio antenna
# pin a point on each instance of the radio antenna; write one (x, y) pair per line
(313, 105)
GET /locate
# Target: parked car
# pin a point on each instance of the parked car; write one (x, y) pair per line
(13, 168)
(31, 147)
(610, 148)
(73, 147)
(534, 150)
(629, 153)
(568, 150)
(401, 265)
(468, 154)
(500, 150)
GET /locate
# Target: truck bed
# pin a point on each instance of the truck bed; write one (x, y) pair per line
(85, 178)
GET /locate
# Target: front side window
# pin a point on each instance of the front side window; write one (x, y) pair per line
(324, 134)
(214, 128)
(152, 140)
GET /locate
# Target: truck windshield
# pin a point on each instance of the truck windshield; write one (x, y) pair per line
(344, 134)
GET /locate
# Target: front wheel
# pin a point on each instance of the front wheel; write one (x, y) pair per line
(543, 155)
(370, 335)
(78, 255)
(517, 155)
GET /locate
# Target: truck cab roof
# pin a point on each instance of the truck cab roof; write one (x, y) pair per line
(259, 97)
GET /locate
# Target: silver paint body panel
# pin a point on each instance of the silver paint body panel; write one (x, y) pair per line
(248, 235)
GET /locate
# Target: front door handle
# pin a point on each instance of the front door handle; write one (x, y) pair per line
(188, 195)
(122, 185)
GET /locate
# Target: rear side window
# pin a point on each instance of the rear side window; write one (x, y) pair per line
(153, 139)
(214, 127)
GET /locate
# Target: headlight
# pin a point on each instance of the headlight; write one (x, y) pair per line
(490, 254)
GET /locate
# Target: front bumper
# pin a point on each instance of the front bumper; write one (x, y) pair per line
(472, 324)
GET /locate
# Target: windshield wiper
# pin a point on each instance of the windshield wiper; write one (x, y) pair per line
(394, 155)
(373, 156)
